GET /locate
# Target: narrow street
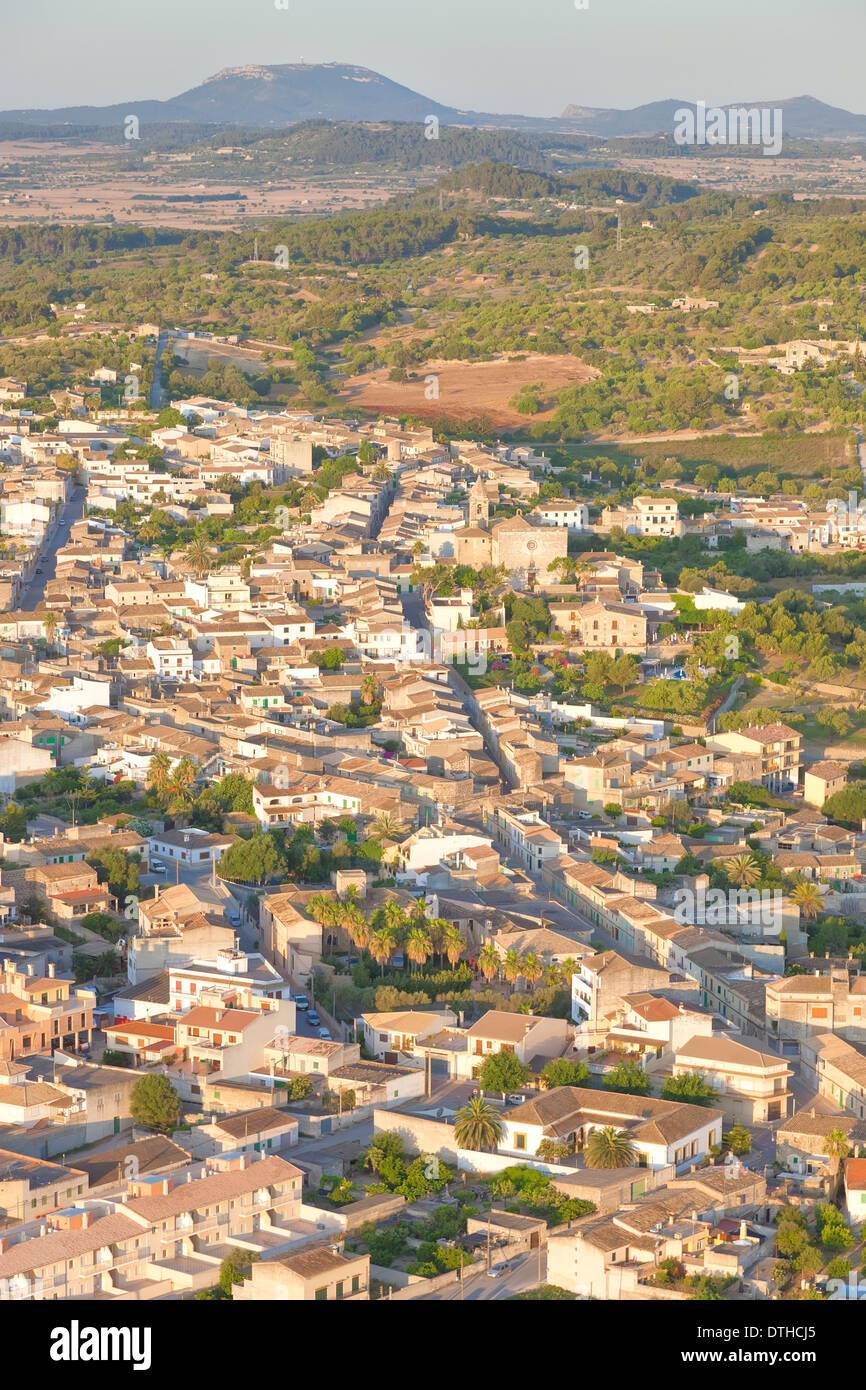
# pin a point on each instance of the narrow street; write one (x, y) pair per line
(73, 511)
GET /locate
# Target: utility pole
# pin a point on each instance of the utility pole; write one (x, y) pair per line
(488, 1241)
(618, 232)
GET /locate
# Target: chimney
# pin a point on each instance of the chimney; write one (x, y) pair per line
(52, 970)
(31, 968)
(743, 1229)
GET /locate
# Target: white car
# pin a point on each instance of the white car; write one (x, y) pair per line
(157, 867)
(497, 1271)
(325, 1034)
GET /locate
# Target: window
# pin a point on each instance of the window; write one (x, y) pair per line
(519, 1141)
(340, 1289)
(356, 1282)
(321, 1295)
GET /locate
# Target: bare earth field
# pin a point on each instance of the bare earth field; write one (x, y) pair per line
(73, 183)
(467, 390)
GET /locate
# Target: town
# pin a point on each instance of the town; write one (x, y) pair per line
(357, 940)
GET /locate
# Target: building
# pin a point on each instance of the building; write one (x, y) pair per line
(751, 1086)
(313, 1276)
(663, 1133)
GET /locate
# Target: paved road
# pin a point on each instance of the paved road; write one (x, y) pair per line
(523, 1274)
(413, 611)
(72, 511)
(156, 388)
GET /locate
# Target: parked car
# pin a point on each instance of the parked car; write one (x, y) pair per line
(497, 1271)
(515, 1099)
(584, 815)
(301, 1001)
(157, 867)
(325, 1034)
(313, 1018)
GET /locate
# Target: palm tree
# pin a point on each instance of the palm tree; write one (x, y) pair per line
(180, 782)
(532, 968)
(477, 1125)
(387, 827)
(49, 625)
(609, 1148)
(836, 1148)
(808, 898)
(512, 967)
(568, 968)
(552, 975)
(742, 869)
(382, 945)
(199, 558)
(488, 960)
(369, 689)
(454, 944)
(157, 772)
(149, 531)
(419, 945)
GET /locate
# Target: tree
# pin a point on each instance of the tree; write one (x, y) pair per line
(837, 1148)
(610, 1148)
(613, 810)
(49, 624)
(503, 1072)
(553, 1150)
(561, 1072)
(158, 772)
(384, 1145)
(477, 1126)
(808, 898)
(419, 945)
(382, 945)
(532, 968)
(512, 966)
(155, 1103)
(690, 1086)
(739, 1140)
(199, 557)
(742, 869)
(629, 1077)
(488, 960)
(387, 827)
(235, 1268)
(453, 943)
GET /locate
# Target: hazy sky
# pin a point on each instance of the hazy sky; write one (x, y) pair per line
(528, 56)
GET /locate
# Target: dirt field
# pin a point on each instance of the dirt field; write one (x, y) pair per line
(77, 182)
(468, 390)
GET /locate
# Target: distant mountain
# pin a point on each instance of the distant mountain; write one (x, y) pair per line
(264, 97)
(803, 118)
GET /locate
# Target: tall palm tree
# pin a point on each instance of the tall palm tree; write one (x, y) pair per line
(477, 1125)
(532, 968)
(419, 945)
(180, 782)
(552, 975)
(488, 960)
(512, 967)
(369, 689)
(382, 945)
(568, 968)
(199, 557)
(49, 625)
(453, 943)
(808, 898)
(158, 771)
(395, 917)
(836, 1147)
(609, 1148)
(742, 869)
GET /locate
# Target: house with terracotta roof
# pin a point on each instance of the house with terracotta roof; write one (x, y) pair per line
(854, 1186)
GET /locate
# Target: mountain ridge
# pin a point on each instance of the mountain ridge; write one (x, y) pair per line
(279, 95)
